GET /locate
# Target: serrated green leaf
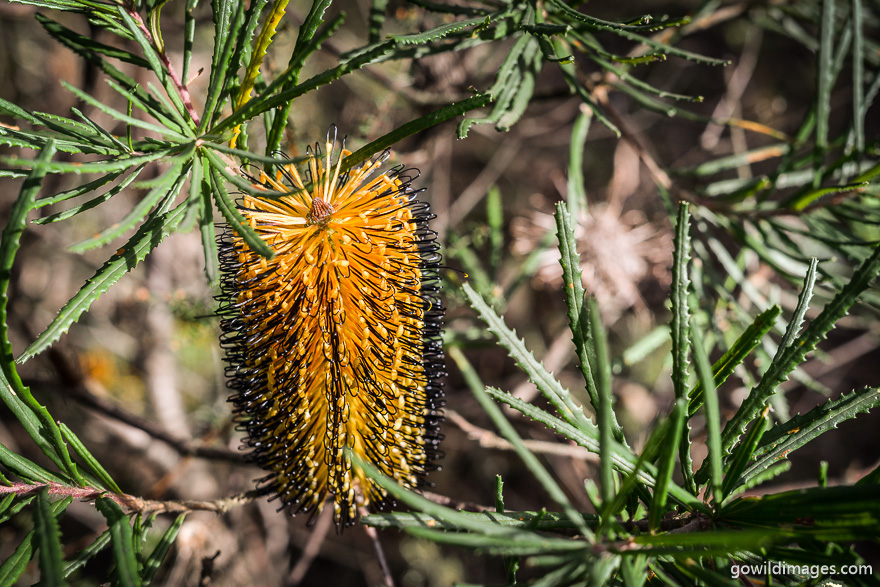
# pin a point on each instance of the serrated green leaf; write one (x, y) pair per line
(790, 356)
(233, 216)
(160, 130)
(778, 442)
(48, 538)
(36, 420)
(83, 556)
(154, 561)
(121, 542)
(439, 32)
(70, 212)
(624, 461)
(156, 65)
(824, 513)
(578, 319)
(91, 462)
(666, 464)
(627, 32)
(743, 453)
(28, 470)
(736, 354)
(147, 237)
(546, 383)
(414, 126)
(14, 566)
(108, 166)
(167, 186)
(679, 329)
(263, 102)
(508, 432)
(15, 507)
(77, 191)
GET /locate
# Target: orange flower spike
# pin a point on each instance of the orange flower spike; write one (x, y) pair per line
(334, 343)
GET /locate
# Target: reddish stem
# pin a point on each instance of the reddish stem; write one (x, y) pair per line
(178, 82)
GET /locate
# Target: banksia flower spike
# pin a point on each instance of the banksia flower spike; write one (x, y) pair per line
(333, 344)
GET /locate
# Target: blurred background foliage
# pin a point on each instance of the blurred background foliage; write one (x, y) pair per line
(776, 151)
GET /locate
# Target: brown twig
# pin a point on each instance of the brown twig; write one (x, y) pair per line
(133, 504)
(79, 386)
(488, 439)
(313, 547)
(380, 552)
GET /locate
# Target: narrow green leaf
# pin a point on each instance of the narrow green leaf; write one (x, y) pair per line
(121, 540)
(546, 383)
(224, 41)
(540, 521)
(83, 556)
(70, 212)
(688, 544)
(576, 194)
(263, 102)
(160, 130)
(415, 126)
(666, 464)
(605, 412)
(569, 72)
(26, 469)
(48, 537)
(778, 442)
(713, 413)
(166, 188)
(377, 19)
(234, 218)
(743, 453)
(858, 76)
(105, 167)
(825, 513)
(611, 507)
(10, 242)
(439, 32)
(508, 432)
(826, 76)
(154, 561)
(679, 327)
(14, 566)
(92, 52)
(530, 68)
(502, 545)
(156, 65)
(680, 309)
(736, 354)
(578, 319)
(147, 237)
(312, 42)
(627, 33)
(91, 462)
(624, 461)
(36, 420)
(792, 351)
(758, 479)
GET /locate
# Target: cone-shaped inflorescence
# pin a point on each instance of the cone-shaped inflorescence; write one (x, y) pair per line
(334, 343)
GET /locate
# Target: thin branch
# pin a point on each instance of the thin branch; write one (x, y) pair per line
(488, 439)
(313, 547)
(133, 504)
(79, 387)
(380, 552)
